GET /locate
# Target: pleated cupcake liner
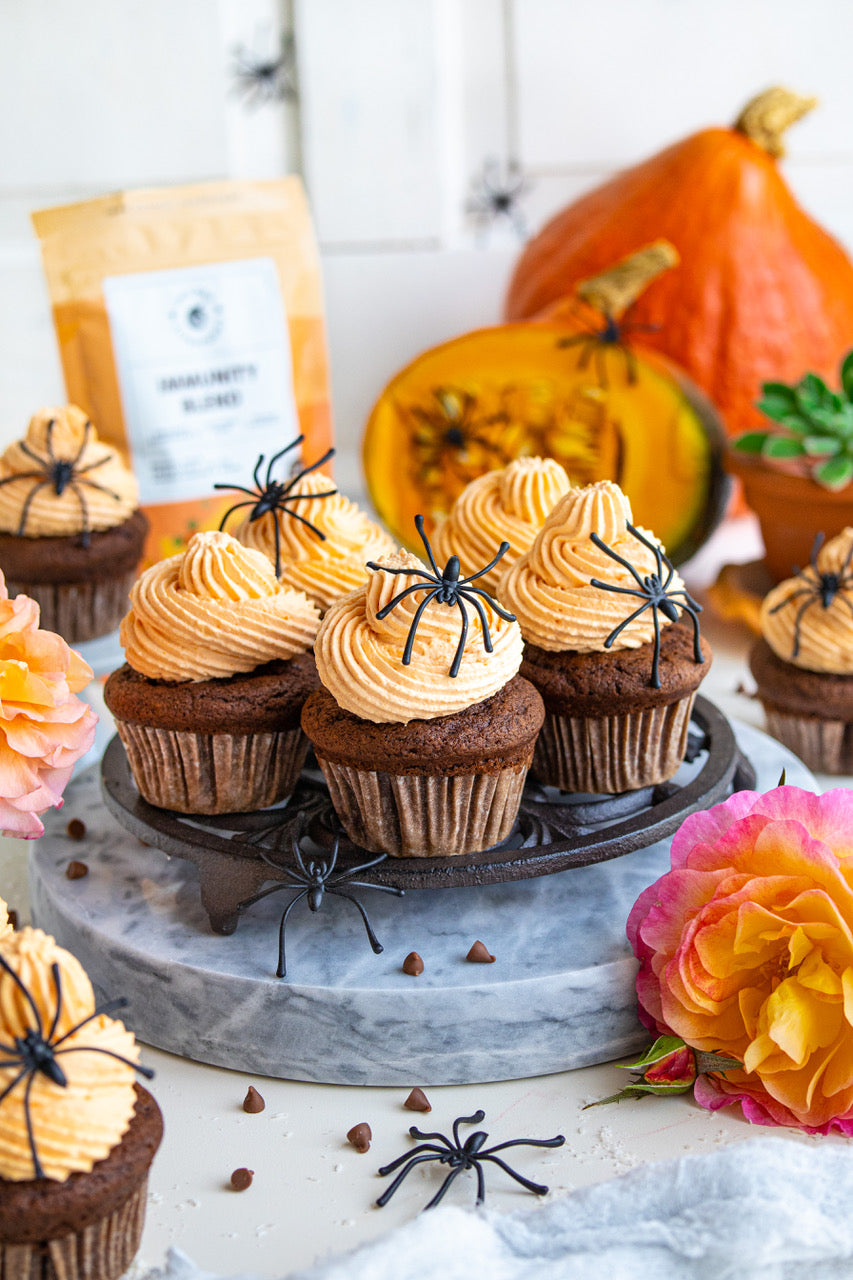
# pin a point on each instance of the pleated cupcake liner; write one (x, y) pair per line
(611, 754)
(417, 816)
(212, 772)
(823, 745)
(101, 1251)
(79, 610)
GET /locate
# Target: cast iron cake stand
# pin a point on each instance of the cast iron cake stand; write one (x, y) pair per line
(550, 905)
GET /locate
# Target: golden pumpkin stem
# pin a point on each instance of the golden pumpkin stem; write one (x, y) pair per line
(766, 117)
(614, 290)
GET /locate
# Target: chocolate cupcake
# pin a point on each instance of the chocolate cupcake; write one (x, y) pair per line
(77, 1136)
(803, 663)
(423, 729)
(217, 672)
(598, 604)
(510, 506)
(71, 532)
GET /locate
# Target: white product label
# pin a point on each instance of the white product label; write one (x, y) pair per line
(205, 373)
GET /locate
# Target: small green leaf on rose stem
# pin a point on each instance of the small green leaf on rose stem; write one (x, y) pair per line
(783, 447)
(622, 1096)
(751, 441)
(847, 375)
(822, 446)
(783, 778)
(835, 473)
(715, 1062)
(663, 1047)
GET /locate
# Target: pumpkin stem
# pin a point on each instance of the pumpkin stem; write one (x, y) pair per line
(766, 117)
(614, 290)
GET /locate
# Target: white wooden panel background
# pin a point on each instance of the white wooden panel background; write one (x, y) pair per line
(401, 103)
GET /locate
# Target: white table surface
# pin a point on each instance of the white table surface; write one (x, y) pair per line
(313, 1194)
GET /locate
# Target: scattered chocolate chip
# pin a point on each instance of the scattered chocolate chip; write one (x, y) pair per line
(413, 964)
(76, 829)
(76, 870)
(360, 1135)
(479, 955)
(241, 1179)
(253, 1102)
(417, 1101)
(13, 917)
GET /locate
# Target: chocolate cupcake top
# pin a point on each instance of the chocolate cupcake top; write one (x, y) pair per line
(215, 610)
(551, 588)
(60, 480)
(508, 505)
(73, 1098)
(326, 567)
(361, 656)
(807, 620)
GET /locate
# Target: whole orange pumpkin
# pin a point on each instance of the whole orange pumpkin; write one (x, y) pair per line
(762, 294)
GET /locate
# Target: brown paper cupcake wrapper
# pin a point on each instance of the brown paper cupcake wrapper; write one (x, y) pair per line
(212, 772)
(611, 754)
(413, 816)
(79, 610)
(102, 1251)
(823, 745)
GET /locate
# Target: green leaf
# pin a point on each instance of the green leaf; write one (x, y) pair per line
(798, 423)
(783, 778)
(751, 441)
(662, 1048)
(822, 446)
(716, 1061)
(847, 375)
(781, 391)
(835, 473)
(783, 447)
(777, 407)
(826, 418)
(812, 390)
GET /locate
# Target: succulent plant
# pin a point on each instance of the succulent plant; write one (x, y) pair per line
(816, 427)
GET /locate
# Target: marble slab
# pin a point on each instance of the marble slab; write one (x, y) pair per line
(559, 995)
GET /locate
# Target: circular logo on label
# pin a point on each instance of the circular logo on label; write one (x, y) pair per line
(197, 316)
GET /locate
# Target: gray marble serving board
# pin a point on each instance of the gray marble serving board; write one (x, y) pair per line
(559, 995)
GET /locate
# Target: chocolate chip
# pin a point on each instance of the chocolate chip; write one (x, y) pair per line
(253, 1102)
(413, 964)
(13, 918)
(76, 870)
(360, 1135)
(241, 1179)
(76, 829)
(479, 955)
(417, 1101)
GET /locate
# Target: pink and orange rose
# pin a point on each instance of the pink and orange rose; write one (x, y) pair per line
(44, 727)
(746, 950)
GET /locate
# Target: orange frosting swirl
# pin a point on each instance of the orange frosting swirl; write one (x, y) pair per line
(822, 639)
(549, 587)
(213, 611)
(501, 506)
(5, 922)
(359, 657)
(77, 1124)
(100, 479)
(324, 570)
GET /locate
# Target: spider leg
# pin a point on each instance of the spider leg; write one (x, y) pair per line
(614, 555)
(231, 510)
(87, 432)
(292, 497)
(296, 516)
(559, 1141)
(502, 550)
(57, 986)
(536, 1187)
(31, 1138)
(504, 613)
(656, 658)
(481, 1182)
(623, 591)
(474, 1119)
(412, 1159)
(410, 638)
(380, 568)
(91, 1048)
(630, 363)
(93, 484)
(31, 453)
(22, 475)
(816, 546)
(697, 647)
(363, 866)
(463, 636)
(281, 971)
(622, 625)
(241, 488)
(843, 599)
(847, 559)
(84, 510)
(365, 884)
(419, 525)
(315, 466)
(445, 1187)
(579, 337)
(7, 968)
(264, 893)
(694, 604)
(422, 1146)
(93, 466)
(802, 591)
(274, 459)
(803, 609)
(276, 533)
(375, 945)
(25, 510)
(484, 623)
(15, 1082)
(407, 591)
(601, 364)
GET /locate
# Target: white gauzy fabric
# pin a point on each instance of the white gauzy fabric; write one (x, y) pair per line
(765, 1208)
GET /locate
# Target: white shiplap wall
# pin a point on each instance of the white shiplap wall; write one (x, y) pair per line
(401, 103)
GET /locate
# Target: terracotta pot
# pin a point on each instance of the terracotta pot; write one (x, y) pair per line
(791, 509)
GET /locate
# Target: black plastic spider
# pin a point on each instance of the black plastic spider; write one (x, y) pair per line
(496, 195)
(655, 593)
(270, 496)
(259, 80)
(62, 473)
(318, 878)
(461, 1156)
(447, 588)
(595, 343)
(37, 1050)
(823, 587)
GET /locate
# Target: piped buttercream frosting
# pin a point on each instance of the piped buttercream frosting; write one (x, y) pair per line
(797, 625)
